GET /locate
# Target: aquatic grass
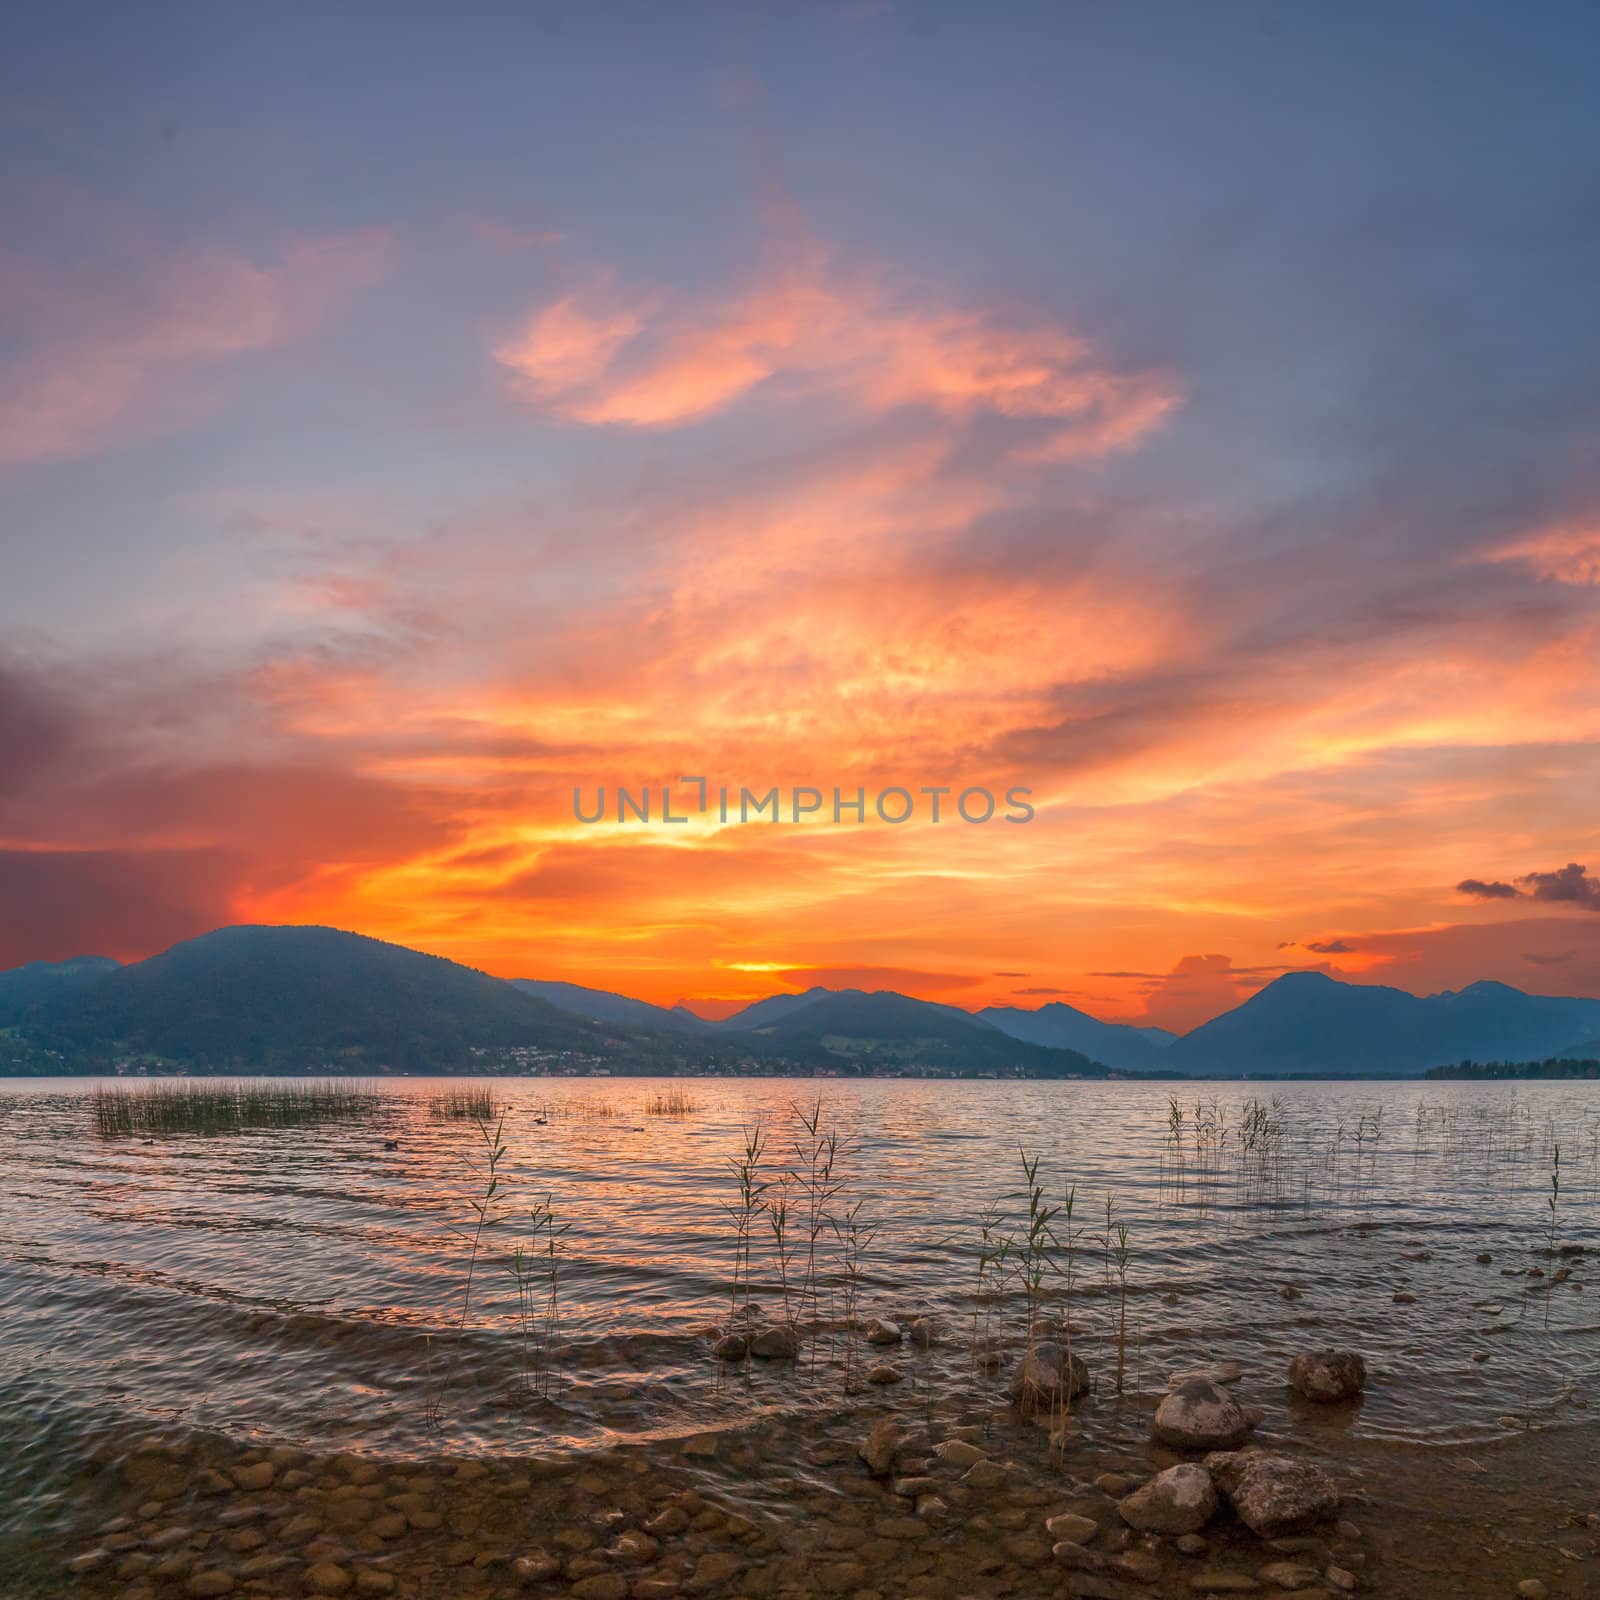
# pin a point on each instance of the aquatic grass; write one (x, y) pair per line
(855, 1235)
(671, 1103)
(1036, 1243)
(743, 1212)
(816, 1150)
(194, 1106)
(777, 1210)
(488, 1209)
(465, 1103)
(536, 1268)
(994, 1251)
(1117, 1239)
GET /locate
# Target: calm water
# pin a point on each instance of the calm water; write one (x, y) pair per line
(298, 1285)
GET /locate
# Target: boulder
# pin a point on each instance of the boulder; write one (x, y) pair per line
(881, 1446)
(1047, 1377)
(732, 1347)
(1182, 1499)
(1328, 1375)
(924, 1332)
(1200, 1415)
(1273, 1495)
(780, 1342)
(881, 1331)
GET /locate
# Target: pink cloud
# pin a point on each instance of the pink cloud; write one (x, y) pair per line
(647, 360)
(102, 349)
(1568, 554)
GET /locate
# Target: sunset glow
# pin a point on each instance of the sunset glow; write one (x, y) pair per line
(1232, 491)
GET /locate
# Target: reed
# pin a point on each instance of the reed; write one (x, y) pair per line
(1117, 1233)
(536, 1267)
(743, 1212)
(671, 1103)
(488, 1211)
(777, 1210)
(1036, 1244)
(816, 1150)
(994, 1252)
(188, 1106)
(466, 1103)
(855, 1235)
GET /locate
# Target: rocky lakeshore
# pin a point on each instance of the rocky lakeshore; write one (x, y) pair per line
(901, 1495)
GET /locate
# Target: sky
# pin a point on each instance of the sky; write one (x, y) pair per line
(411, 415)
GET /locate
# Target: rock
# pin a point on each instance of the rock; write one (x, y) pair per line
(539, 1567)
(780, 1342)
(1047, 1377)
(881, 1331)
(1191, 1544)
(258, 1475)
(1182, 1499)
(984, 1474)
(1289, 1575)
(1070, 1526)
(1139, 1565)
(1273, 1494)
(1402, 1298)
(1113, 1484)
(884, 1374)
(924, 1333)
(931, 1508)
(1074, 1556)
(1484, 1258)
(1532, 1589)
(1328, 1375)
(958, 1453)
(326, 1577)
(208, 1583)
(672, 1520)
(636, 1547)
(880, 1447)
(731, 1347)
(600, 1586)
(1199, 1415)
(374, 1580)
(1223, 1583)
(1340, 1578)
(715, 1568)
(1288, 1292)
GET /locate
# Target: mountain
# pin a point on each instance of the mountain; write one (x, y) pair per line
(1307, 1022)
(600, 1005)
(880, 1030)
(1064, 1027)
(291, 998)
(23, 987)
(763, 1013)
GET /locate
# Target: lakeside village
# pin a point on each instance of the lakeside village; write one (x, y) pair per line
(533, 1062)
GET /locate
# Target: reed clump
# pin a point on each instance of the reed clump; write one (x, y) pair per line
(193, 1106)
(671, 1103)
(467, 1103)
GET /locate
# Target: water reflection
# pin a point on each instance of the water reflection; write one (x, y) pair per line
(303, 1284)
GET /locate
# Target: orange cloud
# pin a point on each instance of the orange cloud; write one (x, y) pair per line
(650, 361)
(1569, 553)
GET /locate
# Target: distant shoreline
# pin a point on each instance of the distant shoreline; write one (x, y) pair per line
(1586, 1071)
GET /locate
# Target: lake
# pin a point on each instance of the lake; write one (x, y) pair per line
(302, 1288)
